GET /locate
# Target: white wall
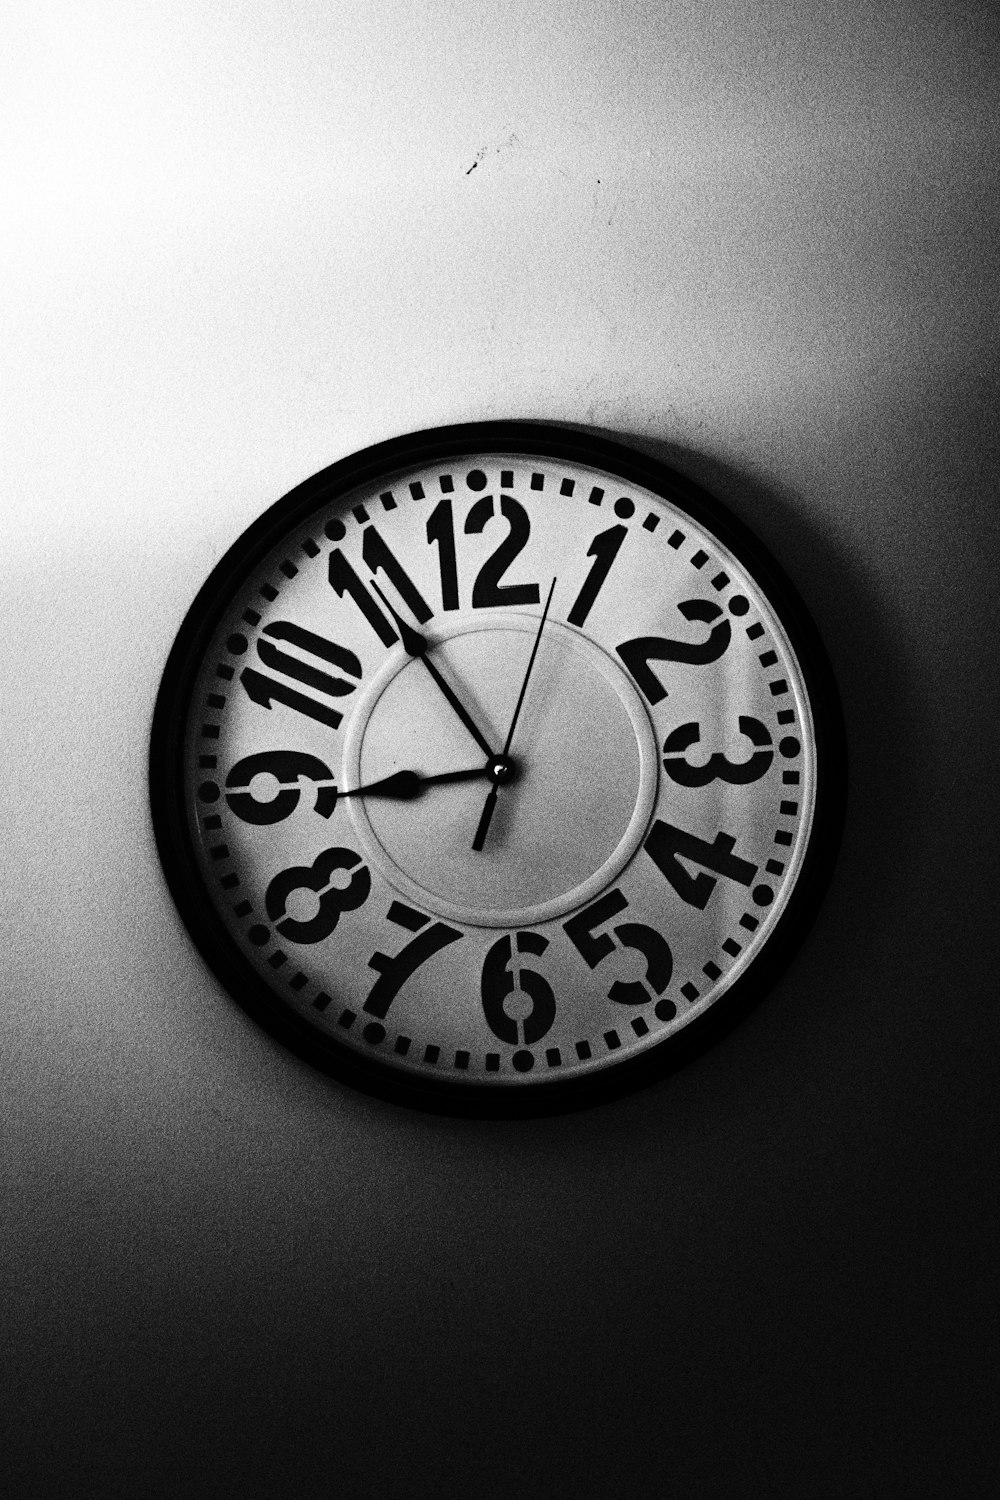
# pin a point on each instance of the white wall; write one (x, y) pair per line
(242, 240)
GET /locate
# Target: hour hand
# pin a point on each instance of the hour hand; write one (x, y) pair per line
(405, 785)
(415, 644)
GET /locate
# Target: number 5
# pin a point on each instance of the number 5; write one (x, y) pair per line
(595, 947)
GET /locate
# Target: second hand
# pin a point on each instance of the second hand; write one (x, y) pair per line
(500, 769)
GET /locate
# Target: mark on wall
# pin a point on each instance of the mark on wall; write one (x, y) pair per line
(509, 143)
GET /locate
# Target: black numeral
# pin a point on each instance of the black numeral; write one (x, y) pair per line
(499, 981)
(603, 549)
(344, 580)
(268, 690)
(595, 947)
(487, 591)
(333, 900)
(637, 654)
(395, 971)
(381, 559)
(286, 766)
(718, 767)
(441, 530)
(665, 843)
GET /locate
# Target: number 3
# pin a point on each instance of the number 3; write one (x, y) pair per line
(718, 767)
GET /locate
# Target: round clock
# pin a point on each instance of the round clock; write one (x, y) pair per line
(495, 768)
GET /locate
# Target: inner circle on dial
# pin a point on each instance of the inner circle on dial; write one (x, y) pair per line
(568, 819)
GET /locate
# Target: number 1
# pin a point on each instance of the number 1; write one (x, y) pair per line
(603, 549)
(441, 529)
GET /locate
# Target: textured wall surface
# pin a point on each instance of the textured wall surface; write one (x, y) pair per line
(242, 240)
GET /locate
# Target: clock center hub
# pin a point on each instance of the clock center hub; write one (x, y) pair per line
(573, 799)
(502, 770)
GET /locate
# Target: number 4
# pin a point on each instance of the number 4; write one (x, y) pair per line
(667, 846)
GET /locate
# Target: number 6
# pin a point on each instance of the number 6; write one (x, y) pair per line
(499, 981)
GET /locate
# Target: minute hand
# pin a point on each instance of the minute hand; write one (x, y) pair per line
(415, 644)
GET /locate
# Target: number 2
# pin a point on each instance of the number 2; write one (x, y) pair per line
(487, 591)
(638, 654)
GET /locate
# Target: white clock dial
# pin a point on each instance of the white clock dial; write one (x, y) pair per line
(489, 761)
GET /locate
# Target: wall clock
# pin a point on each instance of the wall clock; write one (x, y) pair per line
(495, 768)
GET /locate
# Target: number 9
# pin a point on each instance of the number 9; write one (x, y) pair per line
(284, 766)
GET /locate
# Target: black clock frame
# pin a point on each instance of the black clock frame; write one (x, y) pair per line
(196, 904)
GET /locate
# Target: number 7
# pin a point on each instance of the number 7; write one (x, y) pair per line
(393, 972)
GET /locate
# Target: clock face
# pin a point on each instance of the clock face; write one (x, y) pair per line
(492, 767)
